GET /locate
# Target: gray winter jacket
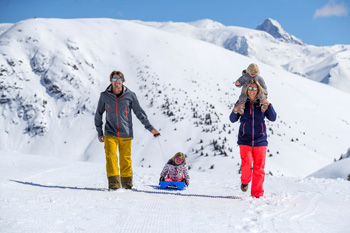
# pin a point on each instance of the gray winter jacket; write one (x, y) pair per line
(118, 113)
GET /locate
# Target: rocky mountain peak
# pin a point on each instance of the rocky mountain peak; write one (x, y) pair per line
(275, 29)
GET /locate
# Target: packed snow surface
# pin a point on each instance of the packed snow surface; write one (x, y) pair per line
(42, 194)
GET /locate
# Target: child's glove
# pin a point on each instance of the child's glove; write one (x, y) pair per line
(186, 181)
(161, 178)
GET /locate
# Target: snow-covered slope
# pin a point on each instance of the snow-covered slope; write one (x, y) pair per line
(339, 169)
(273, 46)
(52, 71)
(42, 194)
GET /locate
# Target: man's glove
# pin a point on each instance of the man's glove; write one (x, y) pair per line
(161, 178)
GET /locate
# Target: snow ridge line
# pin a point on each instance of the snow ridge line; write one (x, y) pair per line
(186, 194)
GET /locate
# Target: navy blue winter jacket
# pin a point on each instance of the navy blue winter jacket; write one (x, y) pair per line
(252, 131)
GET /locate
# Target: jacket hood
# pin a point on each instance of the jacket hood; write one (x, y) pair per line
(109, 88)
(244, 73)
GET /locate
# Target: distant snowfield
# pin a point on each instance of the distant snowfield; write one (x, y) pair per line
(43, 194)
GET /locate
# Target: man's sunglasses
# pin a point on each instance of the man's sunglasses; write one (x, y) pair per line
(117, 79)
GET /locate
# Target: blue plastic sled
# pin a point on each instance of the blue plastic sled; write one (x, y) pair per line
(172, 184)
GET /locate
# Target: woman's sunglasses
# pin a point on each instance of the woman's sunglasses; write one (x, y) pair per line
(253, 88)
(253, 71)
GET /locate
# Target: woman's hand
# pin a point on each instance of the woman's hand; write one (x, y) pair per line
(264, 101)
(238, 106)
(101, 138)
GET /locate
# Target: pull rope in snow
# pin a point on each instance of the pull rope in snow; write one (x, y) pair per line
(186, 194)
(161, 149)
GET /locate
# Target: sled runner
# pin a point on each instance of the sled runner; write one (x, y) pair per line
(172, 184)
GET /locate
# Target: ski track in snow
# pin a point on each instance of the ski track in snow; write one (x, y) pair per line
(40, 194)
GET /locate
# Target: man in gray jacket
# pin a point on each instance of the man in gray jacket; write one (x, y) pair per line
(117, 101)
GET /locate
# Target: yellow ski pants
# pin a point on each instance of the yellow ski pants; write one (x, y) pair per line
(124, 145)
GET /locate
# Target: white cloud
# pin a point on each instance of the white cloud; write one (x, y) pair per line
(332, 9)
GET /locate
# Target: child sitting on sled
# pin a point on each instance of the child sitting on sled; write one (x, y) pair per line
(176, 169)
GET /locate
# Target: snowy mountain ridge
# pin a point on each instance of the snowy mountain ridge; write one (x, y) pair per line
(207, 24)
(52, 71)
(275, 29)
(272, 46)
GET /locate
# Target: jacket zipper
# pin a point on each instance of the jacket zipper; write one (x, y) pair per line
(262, 128)
(253, 123)
(126, 113)
(108, 113)
(116, 110)
(243, 129)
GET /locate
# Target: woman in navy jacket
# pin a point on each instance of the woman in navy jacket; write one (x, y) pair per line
(252, 138)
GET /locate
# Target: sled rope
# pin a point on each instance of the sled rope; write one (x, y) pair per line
(161, 149)
(186, 194)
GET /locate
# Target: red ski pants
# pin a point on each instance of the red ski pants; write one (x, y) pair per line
(252, 168)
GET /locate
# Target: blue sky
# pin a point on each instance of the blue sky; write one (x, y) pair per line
(316, 22)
